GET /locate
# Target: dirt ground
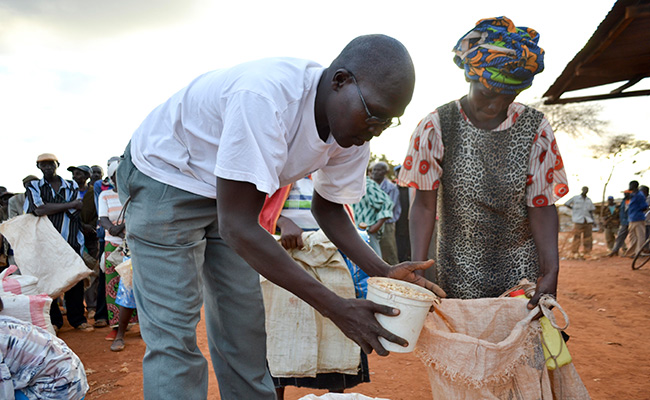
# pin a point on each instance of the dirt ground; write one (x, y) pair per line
(608, 305)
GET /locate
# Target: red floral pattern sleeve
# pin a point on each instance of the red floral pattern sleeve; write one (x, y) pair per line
(421, 168)
(547, 181)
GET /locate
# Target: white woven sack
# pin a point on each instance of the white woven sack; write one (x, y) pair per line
(41, 251)
(491, 349)
(33, 309)
(125, 270)
(17, 284)
(300, 341)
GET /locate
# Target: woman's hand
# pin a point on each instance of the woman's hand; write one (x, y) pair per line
(406, 272)
(546, 284)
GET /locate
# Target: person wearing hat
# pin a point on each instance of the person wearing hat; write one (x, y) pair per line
(493, 169)
(80, 175)
(611, 221)
(57, 198)
(100, 185)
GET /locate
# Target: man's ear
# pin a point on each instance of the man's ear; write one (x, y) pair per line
(340, 78)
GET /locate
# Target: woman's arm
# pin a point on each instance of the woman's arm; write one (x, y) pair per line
(422, 220)
(544, 227)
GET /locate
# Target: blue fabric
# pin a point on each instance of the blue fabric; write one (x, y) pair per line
(637, 207)
(125, 297)
(20, 395)
(359, 277)
(623, 214)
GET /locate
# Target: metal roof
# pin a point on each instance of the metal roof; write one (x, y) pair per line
(619, 51)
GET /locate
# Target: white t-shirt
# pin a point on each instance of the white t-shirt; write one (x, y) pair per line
(109, 206)
(253, 123)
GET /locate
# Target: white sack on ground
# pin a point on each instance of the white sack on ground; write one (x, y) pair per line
(300, 341)
(17, 284)
(40, 251)
(32, 309)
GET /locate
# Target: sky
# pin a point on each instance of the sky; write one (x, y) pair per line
(78, 76)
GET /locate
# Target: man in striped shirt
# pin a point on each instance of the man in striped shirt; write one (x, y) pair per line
(57, 198)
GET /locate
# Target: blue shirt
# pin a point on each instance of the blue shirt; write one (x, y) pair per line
(637, 207)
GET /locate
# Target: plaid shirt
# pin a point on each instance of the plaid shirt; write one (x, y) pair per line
(68, 223)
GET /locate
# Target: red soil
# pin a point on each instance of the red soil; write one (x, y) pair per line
(607, 302)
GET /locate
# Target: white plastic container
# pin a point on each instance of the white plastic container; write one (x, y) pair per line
(413, 302)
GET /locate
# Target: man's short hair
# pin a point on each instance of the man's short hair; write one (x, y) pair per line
(376, 58)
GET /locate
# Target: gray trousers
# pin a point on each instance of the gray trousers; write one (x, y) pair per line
(620, 238)
(180, 263)
(388, 244)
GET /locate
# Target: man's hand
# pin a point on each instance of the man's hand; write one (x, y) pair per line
(406, 272)
(356, 319)
(76, 204)
(374, 228)
(291, 234)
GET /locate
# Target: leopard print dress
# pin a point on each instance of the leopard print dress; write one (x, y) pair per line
(485, 245)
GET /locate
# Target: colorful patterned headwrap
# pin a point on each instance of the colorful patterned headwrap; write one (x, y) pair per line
(501, 56)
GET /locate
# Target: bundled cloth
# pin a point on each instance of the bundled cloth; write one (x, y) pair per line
(503, 57)
(300, 341)
(40, 251)
(491, 349)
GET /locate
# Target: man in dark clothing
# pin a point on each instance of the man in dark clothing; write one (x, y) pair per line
(80, 175)
(58, 199)
(88, 214)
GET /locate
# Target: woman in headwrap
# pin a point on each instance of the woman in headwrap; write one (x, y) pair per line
(494, 167)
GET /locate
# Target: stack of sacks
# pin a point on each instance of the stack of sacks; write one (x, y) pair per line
(22, 300)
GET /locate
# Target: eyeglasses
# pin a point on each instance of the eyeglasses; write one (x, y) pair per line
(384, 123)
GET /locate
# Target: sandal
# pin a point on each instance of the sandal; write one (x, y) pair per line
(100, 323)
(84, 327)
(118, 345)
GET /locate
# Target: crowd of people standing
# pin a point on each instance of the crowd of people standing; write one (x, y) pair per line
(86, 211)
